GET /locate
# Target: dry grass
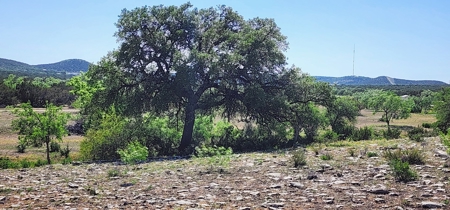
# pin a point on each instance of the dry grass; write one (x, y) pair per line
(367, 118)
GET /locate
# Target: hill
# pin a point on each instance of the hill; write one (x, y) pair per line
(69, 66)
(12, 65)
(59, 70)
(382, 80)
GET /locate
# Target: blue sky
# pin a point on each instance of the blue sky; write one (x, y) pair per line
(404, 39)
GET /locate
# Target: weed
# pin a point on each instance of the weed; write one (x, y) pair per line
(134, 153)
(402, 172)
(65, 151)
(24, 163)
(316, 149)
(67, 160)
(5, 191)
(326, 156)
(372, 154)
(150, 187)
(113, 172)
(351, 152)
(411, 156)
(54, 147)
(210, 151)
(299, 158)
(39, 163)
(21, 148)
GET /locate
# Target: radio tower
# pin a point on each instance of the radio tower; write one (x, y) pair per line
(353, 59)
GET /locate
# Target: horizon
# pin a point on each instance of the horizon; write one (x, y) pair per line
(401, 39)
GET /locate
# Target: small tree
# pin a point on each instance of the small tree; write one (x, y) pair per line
(391, 105)
(442, 108)
(39, 128)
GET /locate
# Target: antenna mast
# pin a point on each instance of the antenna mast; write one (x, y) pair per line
(353, 59)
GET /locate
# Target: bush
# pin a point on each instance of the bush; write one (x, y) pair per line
(364, 133)
(326, 156)
(427, 125)
(134, 153)
(411, 156)
(372, 154)
(329, 135)
(351, 152)
(25, 163)
(65, 151)
(103, 141)
(21, 148)
(54, 147)
(393, 133)
(419, 133)
(6, 163)
(402, 171)
(299, 158)
(211, 151)
(40, 162)
(113, 173)
(67, 160)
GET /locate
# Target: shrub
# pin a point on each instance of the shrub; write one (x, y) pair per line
(411, 156)
(329, 135)
(299, 158)
(391, 133)
(134, 153)
(372, 154)
(65, 151)
(67, 160)
(103, 141)
(113, 172)
(364, 133)
(402, 172)
(6, 163)
(427, 125)
(211, 151)
(39, 163)
(326, 156)
(54, 147)
(351, 152)
(25, 163)
(21, 148)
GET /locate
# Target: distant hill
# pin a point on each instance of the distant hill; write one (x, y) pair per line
(70, 65)
(12, 65)
(60, 69)
(382, 80)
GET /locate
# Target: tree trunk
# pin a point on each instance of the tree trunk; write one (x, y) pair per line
(188, 129)
(296, 134)
(47, 143)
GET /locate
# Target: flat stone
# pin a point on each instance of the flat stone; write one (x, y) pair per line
(311, 176)
(273, 205)
(275, 186)
(183, 202)
(297, 185)
(431, 205)
(72, 185)
(441, 154)
(274, 174)
(379, 200)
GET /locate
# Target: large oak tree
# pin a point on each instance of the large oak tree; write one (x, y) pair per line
(183, 60)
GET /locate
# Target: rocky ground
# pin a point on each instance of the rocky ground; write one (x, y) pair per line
(248, 181)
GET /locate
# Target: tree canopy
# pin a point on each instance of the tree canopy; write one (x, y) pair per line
(184, 60)
(40, 128)
(391, 105)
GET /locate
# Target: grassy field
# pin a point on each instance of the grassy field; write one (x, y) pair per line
(9, 138)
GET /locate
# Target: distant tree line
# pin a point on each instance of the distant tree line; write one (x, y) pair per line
(38, 91)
